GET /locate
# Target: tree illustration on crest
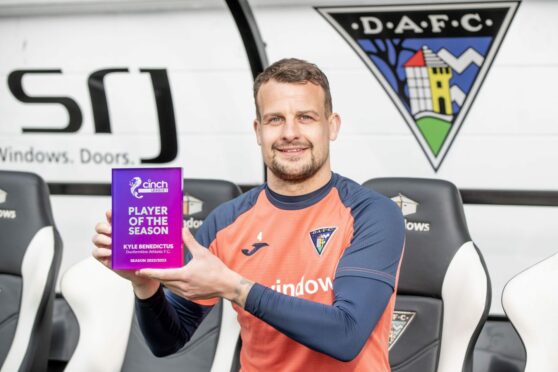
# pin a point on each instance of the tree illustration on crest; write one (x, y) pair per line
(389, 55)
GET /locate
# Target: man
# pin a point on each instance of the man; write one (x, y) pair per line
(309, 260)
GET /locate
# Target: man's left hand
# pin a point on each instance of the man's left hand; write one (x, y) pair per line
(204, 277)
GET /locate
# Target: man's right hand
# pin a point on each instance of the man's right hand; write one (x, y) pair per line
(143, 287)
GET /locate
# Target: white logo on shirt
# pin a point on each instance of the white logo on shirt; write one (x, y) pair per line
(303, 287)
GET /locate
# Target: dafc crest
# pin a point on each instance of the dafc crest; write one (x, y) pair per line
(430, 59)
(320, 237)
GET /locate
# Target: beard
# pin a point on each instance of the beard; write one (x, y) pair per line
(291, 171)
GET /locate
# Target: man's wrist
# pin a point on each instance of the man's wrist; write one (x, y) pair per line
(145, 290)
(237, 289)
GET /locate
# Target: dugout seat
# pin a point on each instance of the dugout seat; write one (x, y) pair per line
(30, 254)
(444, 289)
(529, 300)
(110, 338)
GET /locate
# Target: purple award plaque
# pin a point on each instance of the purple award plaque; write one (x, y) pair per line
(147, 218)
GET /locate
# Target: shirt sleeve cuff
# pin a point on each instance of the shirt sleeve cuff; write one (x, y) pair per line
(253, 299)
(153, 301)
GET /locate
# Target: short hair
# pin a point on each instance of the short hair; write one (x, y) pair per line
(295, 71)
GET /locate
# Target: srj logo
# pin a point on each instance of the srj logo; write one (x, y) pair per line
(431, 59)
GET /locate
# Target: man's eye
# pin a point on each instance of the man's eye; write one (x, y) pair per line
(306, 117)
(275, 120)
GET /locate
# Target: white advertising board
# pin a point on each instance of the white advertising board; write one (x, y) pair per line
(88, 92)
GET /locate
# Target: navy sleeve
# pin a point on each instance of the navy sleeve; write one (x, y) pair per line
(378, 238)
(339, 330)
(168, 321)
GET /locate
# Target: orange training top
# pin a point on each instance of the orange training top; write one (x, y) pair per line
(312, 256)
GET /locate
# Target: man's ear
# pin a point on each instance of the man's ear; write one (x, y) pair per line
(257, 131)
(334, 126)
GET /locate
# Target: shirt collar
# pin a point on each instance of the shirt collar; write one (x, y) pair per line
(289, 202)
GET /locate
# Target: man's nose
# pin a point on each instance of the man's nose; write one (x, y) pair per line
(291, 130)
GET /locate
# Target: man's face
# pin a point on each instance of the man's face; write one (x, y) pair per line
(294, 129)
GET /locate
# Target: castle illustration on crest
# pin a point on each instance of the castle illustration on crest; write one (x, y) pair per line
(428, 78)
(430, 95)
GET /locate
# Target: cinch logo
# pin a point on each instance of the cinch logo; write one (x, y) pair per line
(430, 59)
(409, 206)
(303, 287)
(3, 196)
(147, 187)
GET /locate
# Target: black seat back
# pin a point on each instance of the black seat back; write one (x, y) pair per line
(444, 289)
(30, 254)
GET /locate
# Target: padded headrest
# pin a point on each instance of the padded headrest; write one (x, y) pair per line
(24, 210)
(202, 196)
(435, 230)
(529, 300)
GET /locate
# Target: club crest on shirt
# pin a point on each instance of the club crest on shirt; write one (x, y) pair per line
(320, 237)
(431, 59)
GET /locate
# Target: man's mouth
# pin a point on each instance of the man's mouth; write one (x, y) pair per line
(291, 150)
